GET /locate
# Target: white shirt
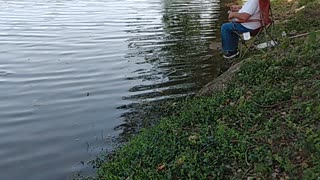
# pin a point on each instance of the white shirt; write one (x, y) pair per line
(251, 7)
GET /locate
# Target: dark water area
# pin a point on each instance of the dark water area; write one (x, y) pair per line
(74, 72)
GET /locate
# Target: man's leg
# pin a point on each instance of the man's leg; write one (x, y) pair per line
(229, 38)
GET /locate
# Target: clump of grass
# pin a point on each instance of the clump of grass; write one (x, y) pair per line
(305, 2)
(306, 19)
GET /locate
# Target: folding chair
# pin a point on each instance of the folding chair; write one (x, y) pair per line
(264, 33)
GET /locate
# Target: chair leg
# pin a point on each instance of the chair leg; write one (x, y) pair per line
(246, 46)
(250, 44)
(246, 50)
(243, 45)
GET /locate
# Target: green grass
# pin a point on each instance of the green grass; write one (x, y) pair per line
(265, 125)
(306, 20)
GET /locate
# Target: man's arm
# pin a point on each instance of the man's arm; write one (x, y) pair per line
(249, 8)
(240, 16)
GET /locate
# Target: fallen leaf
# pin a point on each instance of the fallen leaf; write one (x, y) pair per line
(283, 113)
(193, 137)
(162, 167)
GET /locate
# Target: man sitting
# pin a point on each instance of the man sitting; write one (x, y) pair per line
(242, 19)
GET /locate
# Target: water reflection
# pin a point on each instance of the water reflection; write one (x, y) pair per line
(66, 66)
(175, 54)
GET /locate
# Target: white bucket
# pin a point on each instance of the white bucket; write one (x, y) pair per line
(246, 36)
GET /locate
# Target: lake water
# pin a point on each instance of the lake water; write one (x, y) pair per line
(72, 71)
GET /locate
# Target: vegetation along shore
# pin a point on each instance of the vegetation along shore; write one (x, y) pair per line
(264, 124)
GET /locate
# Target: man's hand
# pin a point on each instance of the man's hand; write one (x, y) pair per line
(235, 8)
(231, 16)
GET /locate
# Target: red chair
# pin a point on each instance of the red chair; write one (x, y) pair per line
(264, 33)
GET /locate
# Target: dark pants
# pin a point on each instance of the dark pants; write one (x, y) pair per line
(229, 38)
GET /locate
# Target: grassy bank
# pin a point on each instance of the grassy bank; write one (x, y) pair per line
(264, 125)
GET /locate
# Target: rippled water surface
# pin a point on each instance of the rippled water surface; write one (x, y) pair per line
(70, 71)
